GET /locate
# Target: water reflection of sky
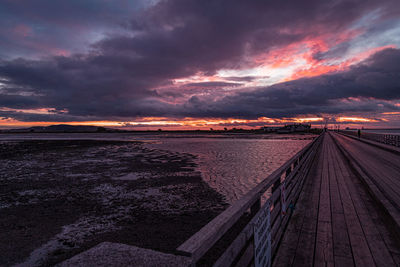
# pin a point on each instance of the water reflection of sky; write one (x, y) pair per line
(233, 166)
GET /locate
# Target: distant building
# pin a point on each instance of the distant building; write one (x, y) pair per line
(297, 127)
(289, 128)
(270, 129)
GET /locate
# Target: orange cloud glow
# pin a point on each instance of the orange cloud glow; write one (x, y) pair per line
(315, 67)
(354, 119)
(391, 113)
(302, 120)
(160, 122)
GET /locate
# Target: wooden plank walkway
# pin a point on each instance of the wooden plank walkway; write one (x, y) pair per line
(338, 221)
(382, 167)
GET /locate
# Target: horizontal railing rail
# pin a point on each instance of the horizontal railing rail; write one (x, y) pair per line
(389, 139)
(239, 251)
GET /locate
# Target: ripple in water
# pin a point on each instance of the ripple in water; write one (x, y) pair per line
(233, 166)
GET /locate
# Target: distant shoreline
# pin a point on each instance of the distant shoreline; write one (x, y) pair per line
(65, 128)
(229, 132)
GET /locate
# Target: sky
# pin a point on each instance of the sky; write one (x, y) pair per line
(195, 64)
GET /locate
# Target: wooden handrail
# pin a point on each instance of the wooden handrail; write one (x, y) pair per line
(202, 241)
(389, 139)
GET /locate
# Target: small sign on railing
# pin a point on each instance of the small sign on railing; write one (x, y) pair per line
(262, 237)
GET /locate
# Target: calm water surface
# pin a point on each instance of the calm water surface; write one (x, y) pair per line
(231, 164)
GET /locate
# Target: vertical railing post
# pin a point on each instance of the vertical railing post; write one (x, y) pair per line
(255, 207)
(288, 171)
(275, 187)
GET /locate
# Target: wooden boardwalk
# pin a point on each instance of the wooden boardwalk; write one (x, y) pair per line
(336, 202)
(346, 197)
(348, 209)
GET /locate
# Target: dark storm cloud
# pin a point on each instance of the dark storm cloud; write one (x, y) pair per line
(213, 84)
(190, 36)
(39, 117)
(45, 27)
(18, 101)
(245, 78)
(120, 74)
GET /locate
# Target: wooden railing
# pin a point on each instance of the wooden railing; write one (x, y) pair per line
(239, 250)
(389, 139)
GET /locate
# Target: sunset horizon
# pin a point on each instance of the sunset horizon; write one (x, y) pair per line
(213, 125)
(188, 64)
(218, 133)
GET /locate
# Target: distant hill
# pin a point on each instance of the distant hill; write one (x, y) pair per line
(63, 128)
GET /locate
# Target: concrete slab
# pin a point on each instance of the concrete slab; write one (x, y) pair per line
(115, 254)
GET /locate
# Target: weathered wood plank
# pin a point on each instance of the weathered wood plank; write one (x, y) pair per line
(247, 256)
(376, 191)
(200, 242)
(306, 243)
(383, 167)
(390, 148)
(293, 194)
(350, 229)
(378, 248)
(324, 241)
(289, 243)
(341, 243)
(361, 252)
(275, 214)
(236, 246)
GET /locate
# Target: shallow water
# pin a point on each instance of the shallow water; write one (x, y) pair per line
(233, 166)
(94, 190)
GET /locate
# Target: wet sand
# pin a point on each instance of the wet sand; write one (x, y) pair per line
(59, 198)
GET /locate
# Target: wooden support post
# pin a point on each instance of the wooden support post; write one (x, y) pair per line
(288, 171)
(255, 207)
(296, 163)
(275, 187)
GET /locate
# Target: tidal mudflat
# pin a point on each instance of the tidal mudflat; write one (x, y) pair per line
(61, 197)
